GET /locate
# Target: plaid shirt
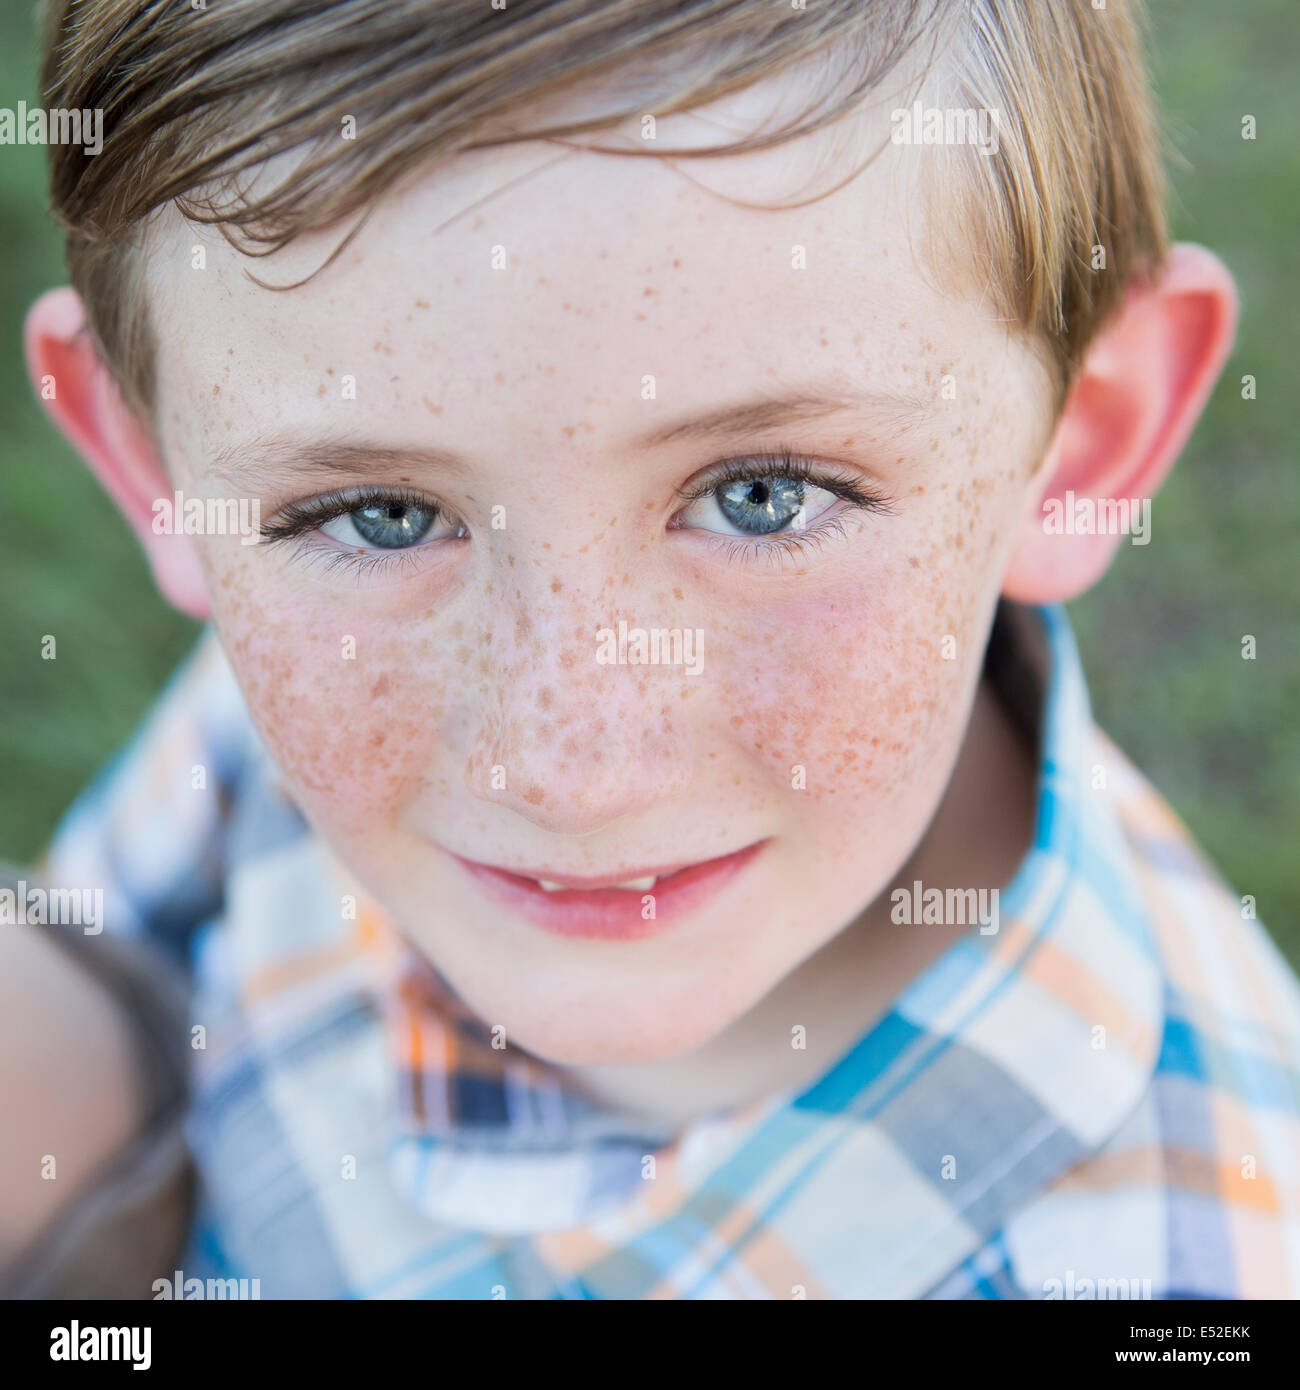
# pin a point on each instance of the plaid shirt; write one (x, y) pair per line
(1098, 1100)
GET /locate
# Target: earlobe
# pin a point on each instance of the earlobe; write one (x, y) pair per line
(81, 398)
(1142, 386)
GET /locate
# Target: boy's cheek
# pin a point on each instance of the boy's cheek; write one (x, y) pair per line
(862, 694)
(350, 710)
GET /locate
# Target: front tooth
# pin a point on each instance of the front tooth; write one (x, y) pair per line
(641, 885)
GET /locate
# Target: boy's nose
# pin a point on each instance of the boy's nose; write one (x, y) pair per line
(568, 738)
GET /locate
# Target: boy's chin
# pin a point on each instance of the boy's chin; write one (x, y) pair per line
(603, 1038)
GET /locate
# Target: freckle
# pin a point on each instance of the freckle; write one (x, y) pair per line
(321, 392)
(677, 593)
(556, 586)
(534, 796)
(914, 562)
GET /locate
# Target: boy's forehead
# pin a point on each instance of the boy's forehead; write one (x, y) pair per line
(534, 283)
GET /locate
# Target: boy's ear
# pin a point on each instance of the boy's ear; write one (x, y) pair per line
(82, 399)
(1141, 388)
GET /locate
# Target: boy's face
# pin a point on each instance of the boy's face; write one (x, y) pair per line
(435, 685)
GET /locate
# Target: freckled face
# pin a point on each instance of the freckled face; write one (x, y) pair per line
(449, 697)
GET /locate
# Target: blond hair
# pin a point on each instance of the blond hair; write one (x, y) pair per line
(193, 99)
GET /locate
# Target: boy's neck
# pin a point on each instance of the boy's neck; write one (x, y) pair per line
(978, 838)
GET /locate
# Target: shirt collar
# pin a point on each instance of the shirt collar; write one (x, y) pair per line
(1006, 1061)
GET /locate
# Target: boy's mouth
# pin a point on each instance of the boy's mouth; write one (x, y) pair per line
(624, 906)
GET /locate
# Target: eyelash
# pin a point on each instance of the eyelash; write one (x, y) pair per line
(783, 463)
(299, 519)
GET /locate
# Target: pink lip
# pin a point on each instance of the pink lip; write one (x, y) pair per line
(592, 908)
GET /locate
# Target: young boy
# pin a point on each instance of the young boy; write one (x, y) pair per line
(634, 826)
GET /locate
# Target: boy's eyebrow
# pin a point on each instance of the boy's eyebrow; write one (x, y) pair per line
(767, 412)
(254, 459)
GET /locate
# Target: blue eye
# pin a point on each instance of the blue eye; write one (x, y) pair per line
(390, 527)
(370, 521)
(756, 503)
(774, 503)
(760, 506)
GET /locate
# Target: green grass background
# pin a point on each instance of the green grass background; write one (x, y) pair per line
(1161, 637)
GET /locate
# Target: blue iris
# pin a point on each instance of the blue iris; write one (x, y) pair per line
(393, 527)
(761, 505)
